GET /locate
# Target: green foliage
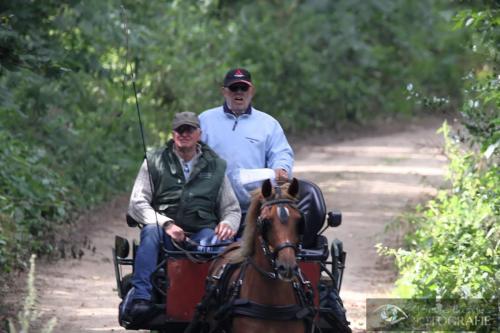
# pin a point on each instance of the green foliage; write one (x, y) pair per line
(71, 132)
(315, 63)
(482, 109)
(356, 59)
(29, 312)
(33, 198)
(66, 143)
(455, 249)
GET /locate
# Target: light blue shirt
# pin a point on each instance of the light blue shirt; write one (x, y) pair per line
(251, 141)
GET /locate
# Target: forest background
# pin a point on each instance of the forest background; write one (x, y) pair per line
(68, 123)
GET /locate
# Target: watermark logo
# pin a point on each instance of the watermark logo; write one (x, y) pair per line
(390, 314)
(432, 314)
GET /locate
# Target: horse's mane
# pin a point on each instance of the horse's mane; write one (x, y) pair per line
(246, 248)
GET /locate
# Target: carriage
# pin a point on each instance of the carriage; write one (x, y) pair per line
(185, 281)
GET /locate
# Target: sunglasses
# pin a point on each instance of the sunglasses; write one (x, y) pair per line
(185, 128)
(238, 87)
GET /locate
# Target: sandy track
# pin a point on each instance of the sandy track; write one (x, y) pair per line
(371, 180)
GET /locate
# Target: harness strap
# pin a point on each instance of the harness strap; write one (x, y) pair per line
(247, 308)
(214, 287)
(304, 290)
(270, 275)
(225, 298)
(290, 202)
(227, 294)
(190, 255)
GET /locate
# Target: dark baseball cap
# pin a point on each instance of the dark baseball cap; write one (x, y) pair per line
(237, 75)
(185, 118)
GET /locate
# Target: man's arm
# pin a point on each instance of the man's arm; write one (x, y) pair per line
(140, 200)
(228, 210)
(279, 154)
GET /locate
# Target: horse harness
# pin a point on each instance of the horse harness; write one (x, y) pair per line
(224, 296)
(229, 303)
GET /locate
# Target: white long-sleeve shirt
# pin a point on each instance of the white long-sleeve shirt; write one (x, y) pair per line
(253, 140)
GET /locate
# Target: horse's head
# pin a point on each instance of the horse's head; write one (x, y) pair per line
(279, 227)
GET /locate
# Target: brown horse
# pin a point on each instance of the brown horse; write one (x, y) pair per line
(257, 286)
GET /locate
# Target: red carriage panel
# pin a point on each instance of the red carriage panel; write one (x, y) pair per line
(186, 287)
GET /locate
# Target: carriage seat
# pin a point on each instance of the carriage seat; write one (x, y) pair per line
(312, 204)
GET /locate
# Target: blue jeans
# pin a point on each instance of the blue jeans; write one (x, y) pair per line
(146, 257)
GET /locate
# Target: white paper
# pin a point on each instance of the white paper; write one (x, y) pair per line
(248, 176)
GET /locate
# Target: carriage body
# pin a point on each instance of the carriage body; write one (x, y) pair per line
(186, 290)
(179, 282)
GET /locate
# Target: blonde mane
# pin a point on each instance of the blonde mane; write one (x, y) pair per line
(246, 248)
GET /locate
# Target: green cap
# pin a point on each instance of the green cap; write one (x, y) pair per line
(185, 118)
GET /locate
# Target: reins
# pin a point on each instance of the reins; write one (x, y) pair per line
(270, 275)
(192, 255)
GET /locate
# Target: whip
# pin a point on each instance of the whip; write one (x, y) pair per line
(141, 127)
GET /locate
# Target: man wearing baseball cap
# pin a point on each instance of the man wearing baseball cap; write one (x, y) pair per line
(190, 196)
(244, 136)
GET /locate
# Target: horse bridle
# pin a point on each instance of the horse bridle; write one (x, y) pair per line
(262, 224)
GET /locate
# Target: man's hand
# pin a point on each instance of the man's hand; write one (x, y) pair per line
(175, 232)
(224, 231)
(281, 175)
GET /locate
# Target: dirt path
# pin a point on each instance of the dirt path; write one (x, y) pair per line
(371, 180)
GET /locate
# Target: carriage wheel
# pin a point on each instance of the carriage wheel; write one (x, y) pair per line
(332, 314)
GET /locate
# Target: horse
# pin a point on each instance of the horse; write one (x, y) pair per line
(256, 285)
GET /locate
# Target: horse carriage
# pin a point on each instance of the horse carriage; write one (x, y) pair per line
(282, 276)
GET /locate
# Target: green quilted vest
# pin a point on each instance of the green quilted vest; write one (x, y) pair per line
(192, 204)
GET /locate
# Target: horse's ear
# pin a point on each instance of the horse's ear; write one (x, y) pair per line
(267, 188)
(293, 189)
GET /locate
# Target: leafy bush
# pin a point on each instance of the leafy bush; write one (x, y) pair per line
(33, 199)
(481, 112)
(66, 144)
(455, 249)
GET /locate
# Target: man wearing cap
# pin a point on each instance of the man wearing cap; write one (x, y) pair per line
(190, 196)
(244, 136)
